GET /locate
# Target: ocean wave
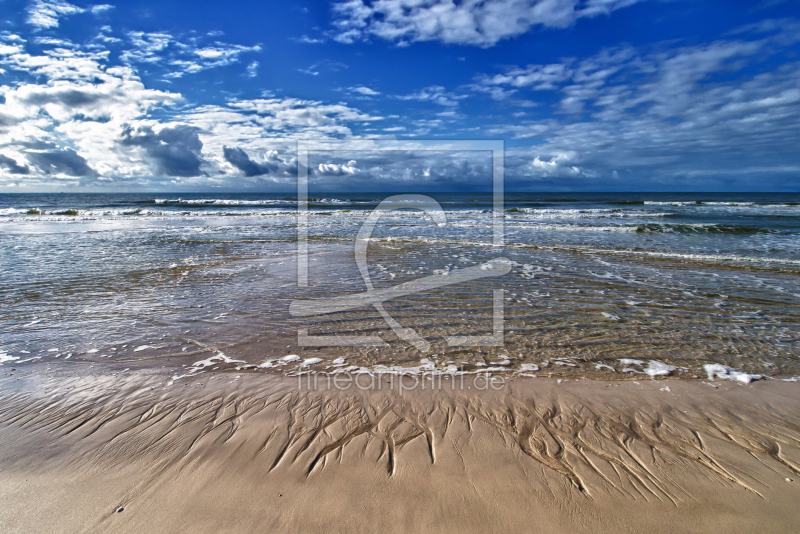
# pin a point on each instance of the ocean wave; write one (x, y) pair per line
(711, 258)
(575, 227)
(201, 202)
(73, 215)
(566, 219)
(702, 227)
(724, 204)
(652, 227)
(672, 203)
(585, 213)
(70, 213)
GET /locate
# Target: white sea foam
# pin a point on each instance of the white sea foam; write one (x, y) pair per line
(678, 255)
(669, 203)
(573, 227)
(6, 357)
(199, 366)
(655, 368)
(715, 370)
(592, 213)
(285, 360)
(221, 202)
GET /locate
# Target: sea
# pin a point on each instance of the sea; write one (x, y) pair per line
(595, 285)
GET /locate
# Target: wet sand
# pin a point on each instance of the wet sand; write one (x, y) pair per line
(221, 452)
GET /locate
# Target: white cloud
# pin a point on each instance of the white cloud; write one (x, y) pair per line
(84, 122)
(309, 40)
(45, 13)
(179, 57)
(667, 114)
(78, 83)
(101, 8)
(147, 47)
(435, 94)
(366, 91)
(224, 52)
(334, 169)
(252, 69)
(264, 124)
(558, 165)
(324, 65)
(469, 22)
(66, 126)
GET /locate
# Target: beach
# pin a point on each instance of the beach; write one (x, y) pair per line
(87, 451)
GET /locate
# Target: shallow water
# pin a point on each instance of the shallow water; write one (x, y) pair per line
(170, 280)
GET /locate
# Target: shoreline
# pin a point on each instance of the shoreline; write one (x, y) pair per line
(216, 452)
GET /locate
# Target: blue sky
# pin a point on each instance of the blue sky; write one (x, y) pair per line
(588, 95)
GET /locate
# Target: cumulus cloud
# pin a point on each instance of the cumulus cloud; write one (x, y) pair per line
(558, 165)
(173, 151)
(469, 22)
(273, 164)
(12, 167)
(413, 169)
(60, 161)
(6, 121)
(337, 169)
(71, 97)
(118, 97)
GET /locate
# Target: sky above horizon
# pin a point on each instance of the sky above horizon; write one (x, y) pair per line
(587, 95)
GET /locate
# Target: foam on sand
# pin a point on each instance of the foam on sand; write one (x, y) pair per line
(199, 366)
(715, 370)
(6, 357)
(655, 368)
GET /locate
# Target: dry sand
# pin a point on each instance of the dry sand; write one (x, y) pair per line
(217, 453)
